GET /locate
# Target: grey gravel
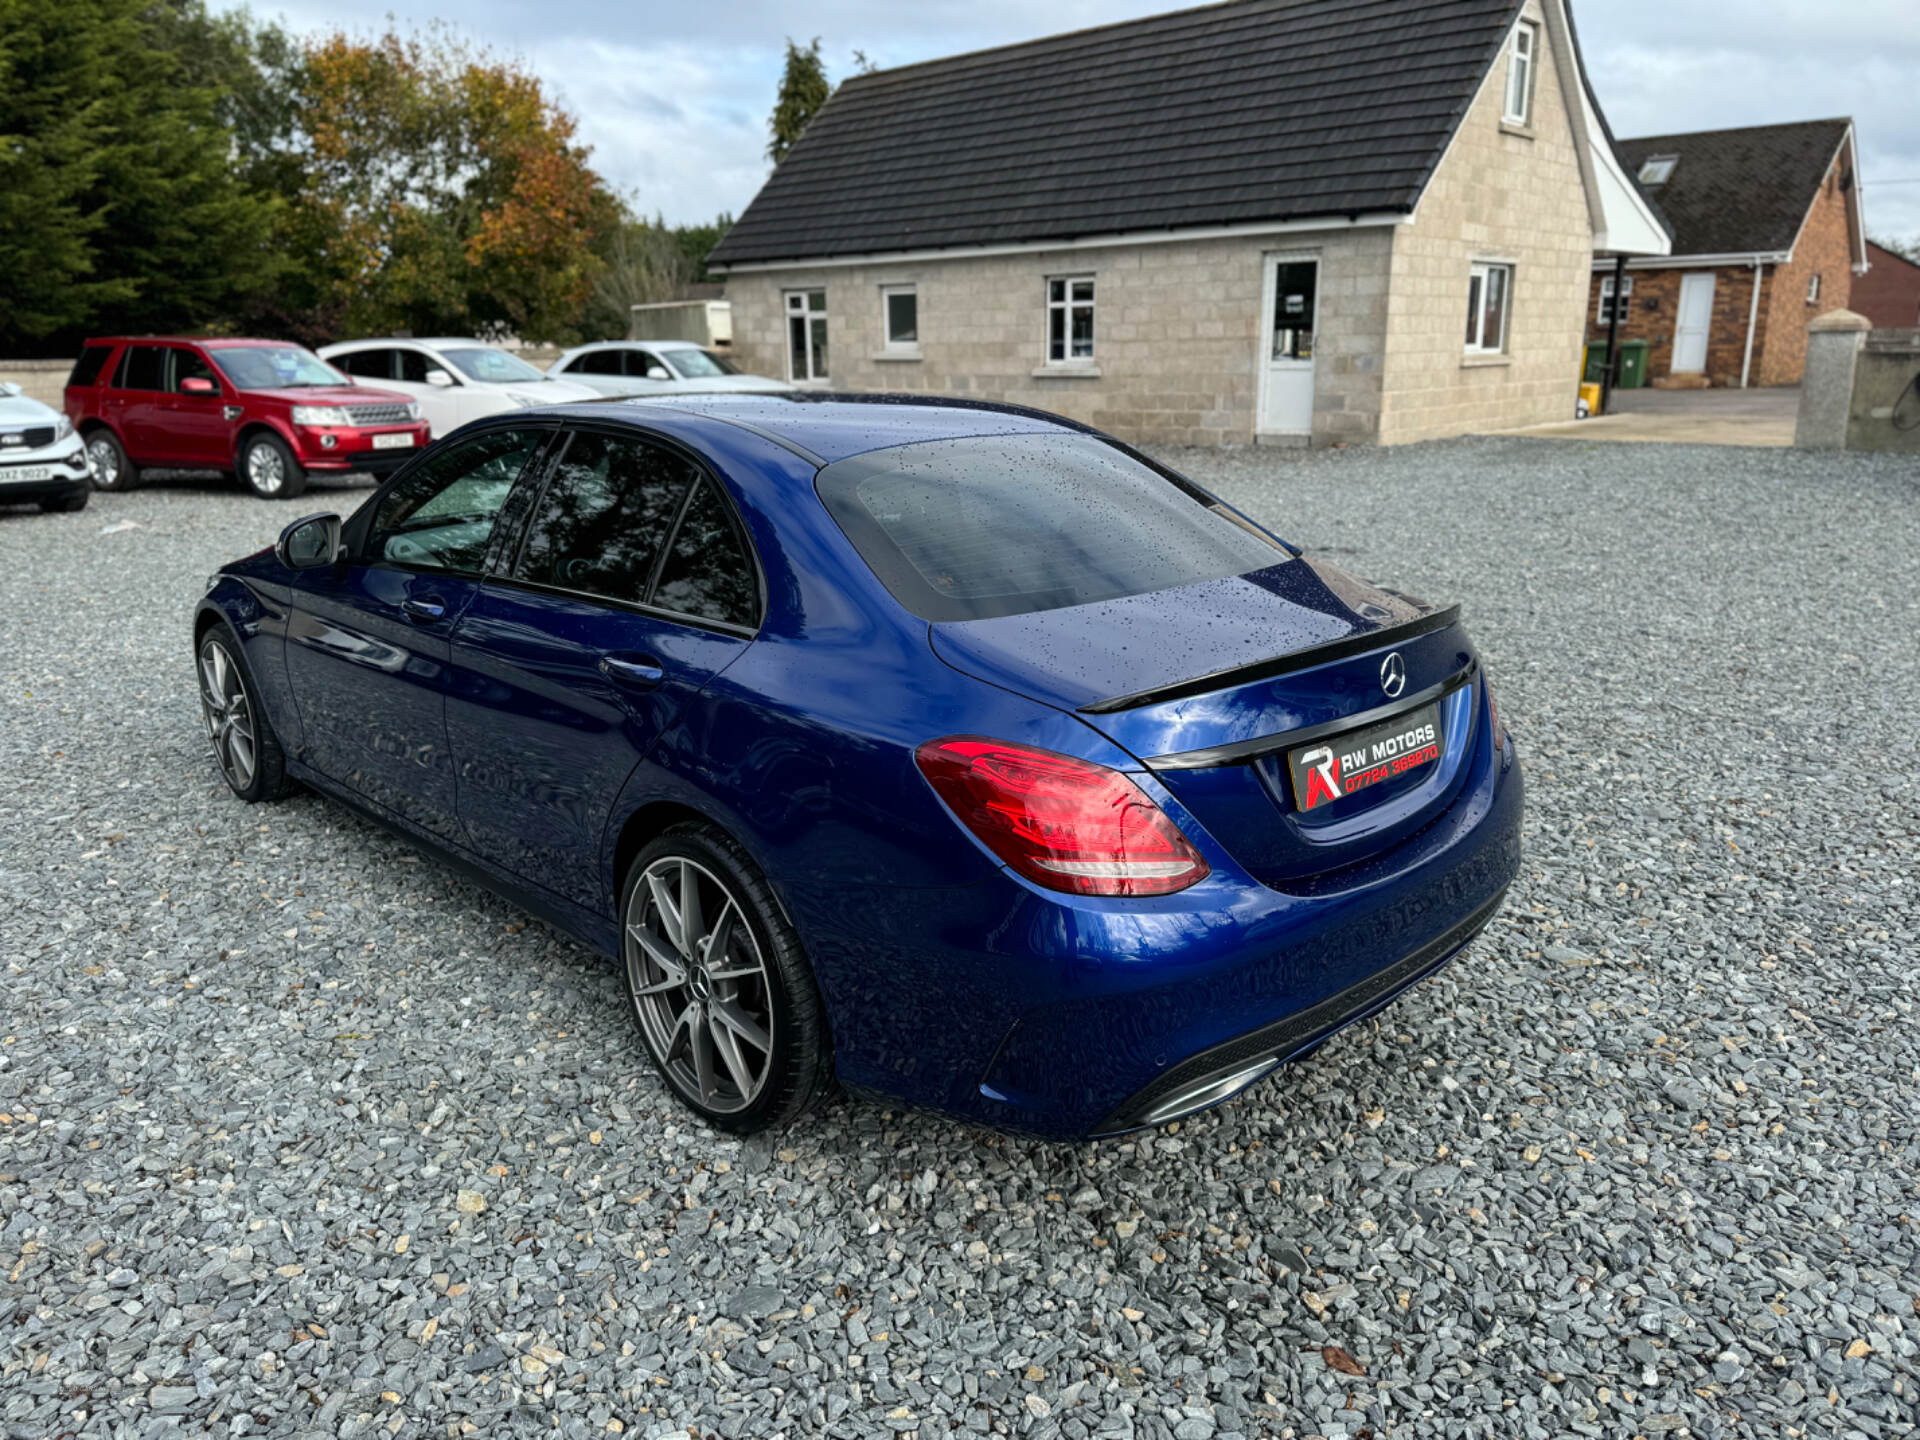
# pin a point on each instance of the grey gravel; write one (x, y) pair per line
(300, 1135)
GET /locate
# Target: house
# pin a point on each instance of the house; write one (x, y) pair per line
(1889, 293)
(1767, 234)
(1276, 220)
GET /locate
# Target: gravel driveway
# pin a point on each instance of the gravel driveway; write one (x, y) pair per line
(304, 1136)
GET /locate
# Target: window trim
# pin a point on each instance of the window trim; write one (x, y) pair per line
(1601, 314)
(1664, 163)
(1813, 288)
(1477, 275)
(1523, 67)
(891, 348)
(1068, 360)
(824, 314)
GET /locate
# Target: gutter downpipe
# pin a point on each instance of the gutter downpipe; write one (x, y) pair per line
(1612, 368)
(1753, 319)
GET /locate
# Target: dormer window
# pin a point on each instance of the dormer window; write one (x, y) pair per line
(1520, 62)
(1655, 169)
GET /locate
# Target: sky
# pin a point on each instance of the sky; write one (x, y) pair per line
(674, 98)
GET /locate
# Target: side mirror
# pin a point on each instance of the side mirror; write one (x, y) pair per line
(309, 544)
(198, 385)
(439, 378)
(658, 372)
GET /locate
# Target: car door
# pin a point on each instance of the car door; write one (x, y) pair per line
(368, 640)
(631, 589)
(193, 415)
(598, 370)
(139, 387)
(640, 365)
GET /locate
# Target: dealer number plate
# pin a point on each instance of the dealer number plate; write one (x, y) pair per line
(1343, 765)
(400, 441)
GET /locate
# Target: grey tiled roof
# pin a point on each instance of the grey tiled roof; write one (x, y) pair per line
(1253, 110)
(1738, 191)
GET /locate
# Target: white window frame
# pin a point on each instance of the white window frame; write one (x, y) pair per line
(1523, 56)
(1478, 278)
(1066, 306)
(889, 344)
(805, 311)
(1656, 170)
(1604, 315)
(1813, 288)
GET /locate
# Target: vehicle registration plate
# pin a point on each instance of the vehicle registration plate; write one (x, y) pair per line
(25, 473)
(402, 440)
(1343, 765)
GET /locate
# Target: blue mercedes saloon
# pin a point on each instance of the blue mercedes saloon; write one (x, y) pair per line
(944, 751)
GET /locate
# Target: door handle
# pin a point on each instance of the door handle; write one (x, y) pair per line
(427, 609)
(640, 672)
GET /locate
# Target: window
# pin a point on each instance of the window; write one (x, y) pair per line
(369, 364)
(273, 367)
(900, 314)
(1489, 297)
(493, 367)
(1069, 319)
(708, 572)
(1606, 298)
(985, 526)
(604, 515)
(1294, 285)
(143, 367)
(1657, 169)
(86, 370)
(699, 364)
(1813, 290)
(597, 362)
(807, 335)
(413, 366)
(1520, 63)
(439, 515)
(189, 366)
(642, 363)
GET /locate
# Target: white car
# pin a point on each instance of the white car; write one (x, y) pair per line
(656, 367)
(41, 458)
(453, 380)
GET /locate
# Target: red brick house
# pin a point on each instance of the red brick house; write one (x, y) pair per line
(1889, 293)
(1767, 234)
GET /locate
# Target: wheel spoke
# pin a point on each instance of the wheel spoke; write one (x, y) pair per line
(693, 925)
(702, 1044)
(729, 1014)
(729, 1047)
(241, 749)
(741, 972)
(714, 947)
(210, 681)
(669, 914)
(681, 1035)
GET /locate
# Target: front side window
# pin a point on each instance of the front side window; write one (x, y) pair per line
(900, 314)
(1489, 298)
(807, 335)
(440, 514)
(642, 363)
(1520, 66)
(1606, 297)
(189, 366)
(699, 364)
(604, 516)
(274, 367)
(985, 526)
(142, 367)
(492, 367)
(1069, 319)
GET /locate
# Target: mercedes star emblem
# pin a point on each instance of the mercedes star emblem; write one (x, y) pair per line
(1393, 675)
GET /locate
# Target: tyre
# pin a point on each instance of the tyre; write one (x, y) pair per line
(267, 467)
(67, 504)
(107, 459)
(718, 985)
(244, 745)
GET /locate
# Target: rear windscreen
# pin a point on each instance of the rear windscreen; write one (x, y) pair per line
(996, 525)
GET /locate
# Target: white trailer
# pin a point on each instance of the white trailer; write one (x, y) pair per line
(704, 322)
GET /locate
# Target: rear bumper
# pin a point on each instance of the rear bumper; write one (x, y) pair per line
(1071, 1018)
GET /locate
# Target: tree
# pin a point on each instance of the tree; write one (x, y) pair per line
(803, 90)
(641, 262)
(699, 241)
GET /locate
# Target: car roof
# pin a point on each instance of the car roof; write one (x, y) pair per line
(826, 426)
(438, 342)
(184, 340)
(638, 345)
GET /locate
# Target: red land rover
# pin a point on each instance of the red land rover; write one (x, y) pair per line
(267, 410)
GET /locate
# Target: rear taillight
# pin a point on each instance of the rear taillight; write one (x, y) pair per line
(1062, 823)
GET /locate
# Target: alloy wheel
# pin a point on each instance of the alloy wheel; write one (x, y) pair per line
(698, 984)
(223, 699)
(266, 471)
(103, 461)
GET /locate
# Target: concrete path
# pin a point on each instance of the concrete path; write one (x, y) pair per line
(1687, 417)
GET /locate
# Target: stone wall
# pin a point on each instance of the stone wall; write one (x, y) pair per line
(1503, 194)
(43, 380)
(1177, 332)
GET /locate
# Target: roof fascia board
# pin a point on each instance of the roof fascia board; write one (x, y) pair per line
(1600, 168)
(1083, 242)
(1853, 199)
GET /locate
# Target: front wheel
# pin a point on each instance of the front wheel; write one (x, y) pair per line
(244, 745)
(108, 461)
(269, 469)
(718, 985)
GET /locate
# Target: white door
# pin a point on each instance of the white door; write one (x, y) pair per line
(1286, 350)
(1695, 323)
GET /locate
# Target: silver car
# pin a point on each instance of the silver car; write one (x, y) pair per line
(655, 367)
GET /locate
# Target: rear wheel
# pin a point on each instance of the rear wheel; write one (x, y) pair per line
(718, 985)
(244, 745)
(268, 468)
(107, 459)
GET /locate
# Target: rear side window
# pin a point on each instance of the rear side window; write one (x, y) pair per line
(597, 362)
(996, 525)
(368, 364)
(86, 370)
(604, 516)
(143, 367)
(707, 571)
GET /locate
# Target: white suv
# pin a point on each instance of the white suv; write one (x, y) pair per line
(656, 367)
(453, 380)
(41, 458)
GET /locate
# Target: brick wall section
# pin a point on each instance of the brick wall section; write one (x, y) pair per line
(1889, 293)
(1824, 248)
(1177, 332)
(1495, 196)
